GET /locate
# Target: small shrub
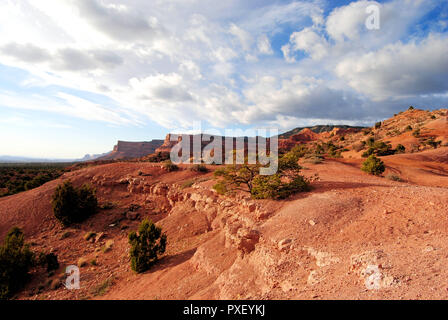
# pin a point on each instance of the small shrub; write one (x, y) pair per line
(408, 128)
(358, 146)
(393, 177)
(313, 159)
(107, 205)
(220, 188)
(169, 166)
(400, 148)
(199, 168)
(432, 143)
(187, 184)
(272, 187)
(377, 125)
(378, 148)
(146, 245)
(416, 133)
(158, 157)
(433, 117)
(71, 205)
(102, 288)
(373, 165)
(411, 108)
(15, 261)
(49, 260)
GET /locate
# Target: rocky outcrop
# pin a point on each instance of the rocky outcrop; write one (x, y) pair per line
(130, 150)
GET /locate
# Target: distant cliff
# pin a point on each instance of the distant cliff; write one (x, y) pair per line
(130, 150)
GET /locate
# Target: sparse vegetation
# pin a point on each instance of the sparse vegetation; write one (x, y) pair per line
(400, 148)
(393, 177)
(169, 166)
(49, 260)
(416, 133)
(432, 143)
(358, 146)
(158, 157)
(146, 245)
(16, 259)
(187, 184)
(72, 205)
(15, 178)
(103, 287)
(378, 148)
(199, 168)
(313, 159)
(378, 125)
(373, 165)
(280, 185)
(220, 188)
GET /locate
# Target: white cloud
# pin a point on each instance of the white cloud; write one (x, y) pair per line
(244, 37)
(346, 23)
(164, 87)
(175, 61)
(308, 41)
(399, 69)
(264, 45)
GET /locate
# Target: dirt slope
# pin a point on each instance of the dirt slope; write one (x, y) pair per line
(354, 236)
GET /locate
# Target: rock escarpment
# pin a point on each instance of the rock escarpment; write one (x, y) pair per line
(130, 150)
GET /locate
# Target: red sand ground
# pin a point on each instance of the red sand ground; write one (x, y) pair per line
(317, 245)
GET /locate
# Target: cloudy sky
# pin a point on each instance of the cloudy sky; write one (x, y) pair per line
(77, 75)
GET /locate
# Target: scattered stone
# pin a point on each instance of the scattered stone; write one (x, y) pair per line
(312, 222)
(370, 267)
(99, 236)
(315, 277)
(285, 244)
(252, 207)
(82, 262)
(55, 284)
(131, 215)
(66, 234)
(323, 259)
(108, 246)
(134, 207)
(247, 239)
(90, 236)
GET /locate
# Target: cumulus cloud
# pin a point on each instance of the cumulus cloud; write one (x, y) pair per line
(264, 45)
(243, 36)
(69, 59)
(119, 21)
(347, 22)
(308, 41)
(165, 87)
(25, 52)
(399, 69)
(226, 62)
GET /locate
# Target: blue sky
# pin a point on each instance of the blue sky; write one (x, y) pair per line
(76, 76)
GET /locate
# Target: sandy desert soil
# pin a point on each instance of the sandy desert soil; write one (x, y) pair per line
(354, 236)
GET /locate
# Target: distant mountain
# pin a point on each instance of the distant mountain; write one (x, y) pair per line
(316, 129)
(12, 159)
(131, 150)
(90, 157)
(18, 159)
